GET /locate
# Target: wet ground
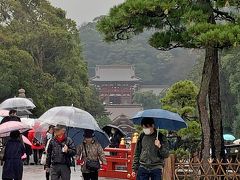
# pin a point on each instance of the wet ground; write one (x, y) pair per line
(37, 173)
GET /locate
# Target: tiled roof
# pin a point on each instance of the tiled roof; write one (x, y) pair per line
(155, 89)
(128, 110)
(115, 73)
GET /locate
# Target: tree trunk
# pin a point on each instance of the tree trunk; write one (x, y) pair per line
(203, 108)
(217, 141)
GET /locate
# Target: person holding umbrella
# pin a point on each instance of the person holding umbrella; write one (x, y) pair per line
(151, 150)
(88, 155)
(115, 135)
(49, 136)
(60, 152)
(13, 166)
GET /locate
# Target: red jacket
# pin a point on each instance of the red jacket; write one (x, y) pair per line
(31, 135)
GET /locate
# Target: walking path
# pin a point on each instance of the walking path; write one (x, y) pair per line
(37, 173)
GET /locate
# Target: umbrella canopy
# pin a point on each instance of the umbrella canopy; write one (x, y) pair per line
(77, 136)
(163, 119)
(10, 126)
(4, 112)
(228, 137)
(109, 127)
(26, 140)
(69, 116)
(17, 103)
(29, 121)
(77, 120)
(23, 112)
(236, 141)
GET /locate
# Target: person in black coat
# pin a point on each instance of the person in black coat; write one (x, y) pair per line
(115, 140)
(13, 164)
(12, 117)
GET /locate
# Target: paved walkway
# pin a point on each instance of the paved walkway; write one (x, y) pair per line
(37, 173)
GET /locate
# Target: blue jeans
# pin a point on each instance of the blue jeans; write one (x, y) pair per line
(144, 174)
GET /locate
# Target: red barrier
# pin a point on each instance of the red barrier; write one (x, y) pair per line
(124, 159)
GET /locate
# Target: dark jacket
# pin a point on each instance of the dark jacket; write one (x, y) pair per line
(115, 141)
(10, 118)
(13, 166)
(148, 155)
(56, 156)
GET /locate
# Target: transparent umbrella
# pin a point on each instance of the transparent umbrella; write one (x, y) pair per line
(76, 120)
(17, 103)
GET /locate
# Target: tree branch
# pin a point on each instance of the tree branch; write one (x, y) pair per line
(172, 46)
(122, 30)
(224, 15)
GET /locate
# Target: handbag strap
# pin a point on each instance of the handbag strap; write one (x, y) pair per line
(48, 142)
(85, 150)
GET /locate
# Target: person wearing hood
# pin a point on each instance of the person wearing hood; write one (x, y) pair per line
(60, 152)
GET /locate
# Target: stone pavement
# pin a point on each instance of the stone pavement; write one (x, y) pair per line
(37, 173)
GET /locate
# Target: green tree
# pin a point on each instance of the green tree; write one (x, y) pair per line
(40, 51)
(103, 121)
(228, 98)
(147, 99)
(230, 68)
(151, 65)
(190, 24)
(181, 98)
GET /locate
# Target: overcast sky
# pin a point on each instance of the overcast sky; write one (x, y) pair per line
(85, 10)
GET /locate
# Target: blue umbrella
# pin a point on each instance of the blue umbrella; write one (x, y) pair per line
(77, 136)
(163, 119)
(228, 137)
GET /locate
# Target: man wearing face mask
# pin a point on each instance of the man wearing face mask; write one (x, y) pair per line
(151, 150)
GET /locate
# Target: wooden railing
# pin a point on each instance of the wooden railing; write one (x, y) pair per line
(174, 169)
(193, 169)
(119, 165)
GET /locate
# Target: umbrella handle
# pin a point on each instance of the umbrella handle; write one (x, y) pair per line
(157, 133)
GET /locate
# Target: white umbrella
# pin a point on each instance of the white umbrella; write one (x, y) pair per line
(69, 116)
(17, 103)
(236, 141)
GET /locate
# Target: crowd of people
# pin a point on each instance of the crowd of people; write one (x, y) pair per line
(61, 153)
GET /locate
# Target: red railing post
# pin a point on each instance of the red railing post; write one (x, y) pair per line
(124, 158)
(122, 146)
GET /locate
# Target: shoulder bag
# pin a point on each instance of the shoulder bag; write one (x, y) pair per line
(91, 165)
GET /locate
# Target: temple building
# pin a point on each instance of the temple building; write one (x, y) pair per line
(116, 84)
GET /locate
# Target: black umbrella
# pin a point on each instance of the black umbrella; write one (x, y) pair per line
(109, 127)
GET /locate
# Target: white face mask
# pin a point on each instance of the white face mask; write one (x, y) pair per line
(147, 131)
